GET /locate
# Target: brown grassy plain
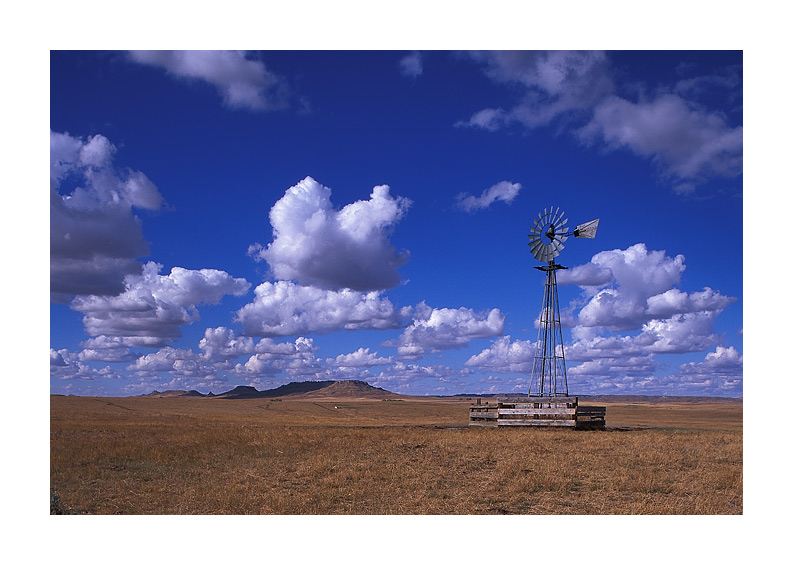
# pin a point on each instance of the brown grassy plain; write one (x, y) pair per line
(412, 456)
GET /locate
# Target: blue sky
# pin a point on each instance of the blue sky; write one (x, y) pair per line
(256, 218)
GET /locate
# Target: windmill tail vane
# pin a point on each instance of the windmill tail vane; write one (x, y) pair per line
(587, 230)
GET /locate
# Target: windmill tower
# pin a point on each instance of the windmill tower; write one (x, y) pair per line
(548, 403)
(546, 240)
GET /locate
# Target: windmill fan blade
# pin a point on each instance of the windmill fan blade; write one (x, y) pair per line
(562, 231)
(587, 230)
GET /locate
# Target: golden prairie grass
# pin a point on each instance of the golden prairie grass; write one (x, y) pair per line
(214, 456)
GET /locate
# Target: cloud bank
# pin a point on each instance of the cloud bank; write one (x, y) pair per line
(411, 65)
(503, 191)
(95, 237)
(243, 81)
(574, 91)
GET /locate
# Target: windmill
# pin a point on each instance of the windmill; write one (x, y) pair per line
(546, 240)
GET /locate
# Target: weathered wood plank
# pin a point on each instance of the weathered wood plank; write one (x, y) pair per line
(538, 422)
(522, 399)
(537, 405)
(536, 411)
(484, 416)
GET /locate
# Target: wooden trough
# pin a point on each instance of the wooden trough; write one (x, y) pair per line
(561, 411)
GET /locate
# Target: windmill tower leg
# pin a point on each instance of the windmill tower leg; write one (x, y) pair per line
(549, 373)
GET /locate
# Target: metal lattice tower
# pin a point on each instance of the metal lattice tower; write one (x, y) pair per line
(548, 234)
(549, 373)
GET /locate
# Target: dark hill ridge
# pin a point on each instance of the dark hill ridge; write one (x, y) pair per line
(336, 389)
(311, 389)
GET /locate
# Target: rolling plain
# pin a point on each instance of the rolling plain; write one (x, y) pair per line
(357, 453)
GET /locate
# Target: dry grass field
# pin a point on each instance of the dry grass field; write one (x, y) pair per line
(413, 456)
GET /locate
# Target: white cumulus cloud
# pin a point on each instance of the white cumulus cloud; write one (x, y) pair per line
(152, 307)
(724, 362)
(67, 365)
(284, 308)
(222, 343)
(438, 329)
(186, 368)
(360, 358)
(106, 349)
(505, 356)
(317, 245)
(641, 287)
